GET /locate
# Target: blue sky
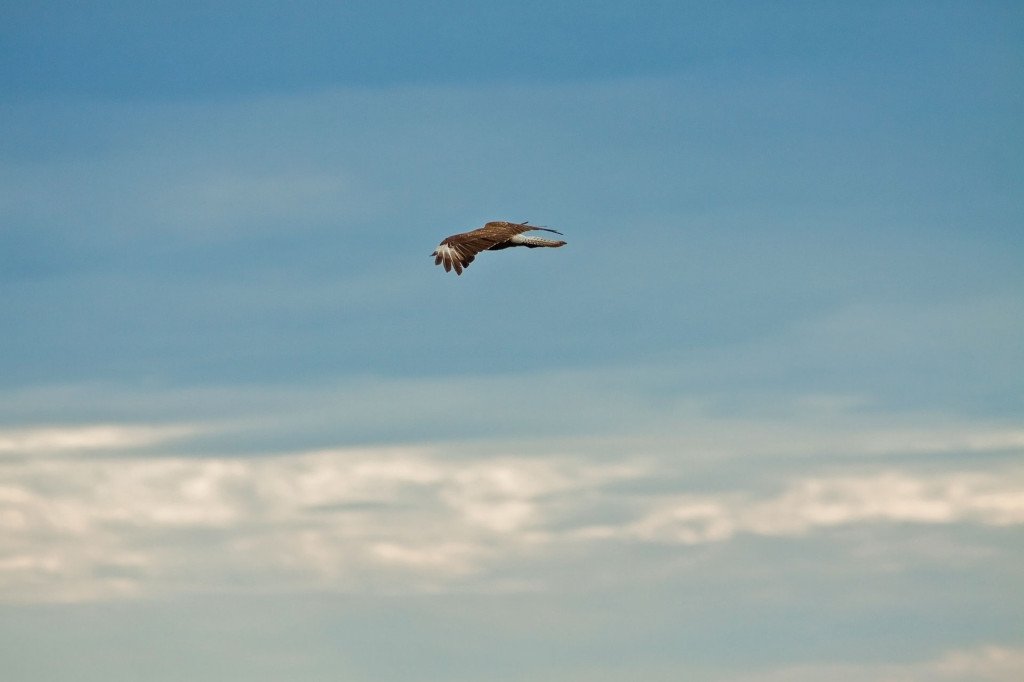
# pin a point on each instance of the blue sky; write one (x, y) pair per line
(760, 419)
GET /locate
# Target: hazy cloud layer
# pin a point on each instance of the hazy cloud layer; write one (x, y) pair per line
(409, 519)
(981, 664)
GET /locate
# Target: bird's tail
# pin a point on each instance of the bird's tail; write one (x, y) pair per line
(533, 242)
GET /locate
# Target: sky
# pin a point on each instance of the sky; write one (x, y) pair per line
(761, 418)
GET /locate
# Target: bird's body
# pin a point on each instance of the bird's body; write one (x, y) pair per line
(459, 250)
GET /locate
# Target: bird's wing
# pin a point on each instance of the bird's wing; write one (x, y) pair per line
(459, 250)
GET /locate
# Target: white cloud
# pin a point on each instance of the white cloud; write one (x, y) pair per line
(989, 663)
(408, 519)
(583, 411)
(983, 663)
(808, 504)
(333, 519)
(51, 439)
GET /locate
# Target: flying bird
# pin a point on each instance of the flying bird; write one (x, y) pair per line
(459, 250)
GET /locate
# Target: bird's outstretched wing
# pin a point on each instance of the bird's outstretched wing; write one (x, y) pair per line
(459, 250)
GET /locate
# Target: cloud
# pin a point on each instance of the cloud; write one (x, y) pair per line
(987, 663)
(598, 410)
(809, 504)
(53, 439)
(408, 519)
(332, 519)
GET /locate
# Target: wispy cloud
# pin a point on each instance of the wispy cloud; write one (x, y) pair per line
(606, 410)
(989, 663)
(809, 504)
(89, 529)
(408, 519)
(90, 437)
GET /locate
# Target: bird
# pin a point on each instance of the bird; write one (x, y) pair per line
(459, 250)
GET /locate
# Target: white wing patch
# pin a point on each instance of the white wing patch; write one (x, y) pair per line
(446, 253)
(450, 257)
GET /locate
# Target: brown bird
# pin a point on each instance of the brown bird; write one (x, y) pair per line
(459, 250)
